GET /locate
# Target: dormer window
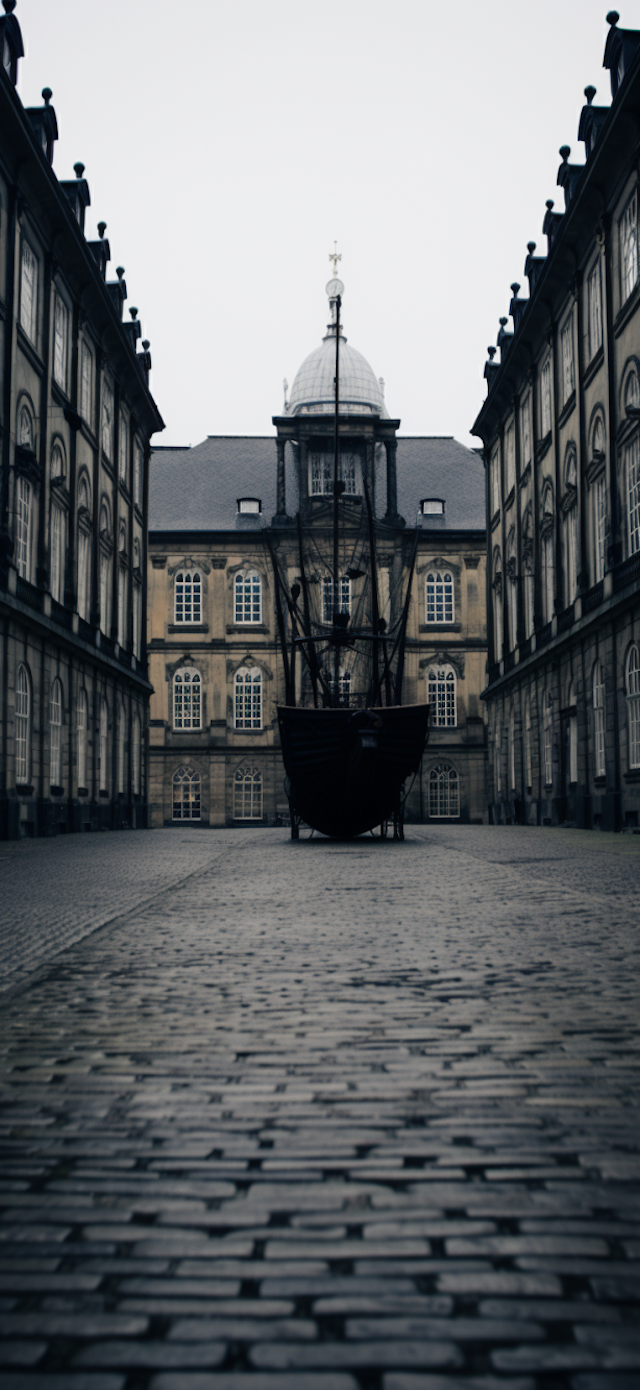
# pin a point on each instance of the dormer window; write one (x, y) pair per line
(251, 506)
(432, 506)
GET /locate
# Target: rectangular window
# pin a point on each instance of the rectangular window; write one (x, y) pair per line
(594, 310)
(122, 606)
(525, 441)
(123, 451)
(23, 529)
(83, 573)
(599, 527)
(86, 384)
(58, 529)
(568, 378)
(632, 461)
(107, 420)
(105, 576)
(439, 598)
(510, 457)
(545, 399)
(547, 576)
(60, 342)
(344, 598)
(628, 240)
(138, 474)
(494, 482)
(137, 624)
(29, 292)
(571, 555)
(55, 732)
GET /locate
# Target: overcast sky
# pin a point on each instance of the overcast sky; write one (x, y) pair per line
(227, 143)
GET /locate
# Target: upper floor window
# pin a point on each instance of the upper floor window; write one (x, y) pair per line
(87, 384)
(186, 794)
(511, 589)
(188, 597)
(58, 552)
(24, 523)
(494, 482)
(545, 399)
(594, 310)
(441, 695)
(525, 440)
(55, 734)
(247, 794)
(329, 606)
(570, 527)
(137, 599)
(548, 568)
(633, 705)
(628, 238)
(632, 470)
(600, 766)
(106, 432)
(123, 450)
(187, 700)
(444, 792)
(248, 597)
(23, 725)
(138, 473)
(496, 584)
(58, 470)
(60, 341)
(440, 597)
(321, 468)
(84, 550)
(568, 376)
(29, 292)
(510, 457)
(248, 698)
(25, 428)
(105, 568)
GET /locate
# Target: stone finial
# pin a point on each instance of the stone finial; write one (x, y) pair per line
(503, 321)
(515, 289)
(531, 246)
(589, 93)
(549, 204)
(492, 352)
(134, 313)
(102, 227)
(612, 17)
(46, 95)
(119, 271)
(9, 6)
(146, 344)
(564, 152)
(78, 170)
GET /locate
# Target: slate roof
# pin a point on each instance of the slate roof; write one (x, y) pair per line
(196, 489)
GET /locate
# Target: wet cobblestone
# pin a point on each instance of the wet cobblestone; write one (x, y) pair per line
(320, 1116)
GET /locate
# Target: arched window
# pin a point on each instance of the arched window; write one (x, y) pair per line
(496, 583)
(632, 390)
(103, 747)
(247, 794)
(444, 791)
(441, 695)
(572, 735)
(186, 794)
(135, 755)
(547, 739)
(512, 589)
(55, 734)
(248, 698)
(24, 525)
(248, 597)
(122, 734)
(188, 597)
(344, 598)
(105, 569)
(528, 760)
(570, 507)
(187, 699)
(512, 748)
(439, 597)
(23, 725)
(84, 550)
(58, 470)
(25, 428)
(599, 718)
(633, 705)
(81, 731)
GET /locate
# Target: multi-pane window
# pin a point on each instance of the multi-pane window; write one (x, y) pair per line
(81, 732)
(86, 384)
(632, 469)
(58, 531)
(439, 597)
(628, 233)
(136, 759)
(28, 292)
(25, 429)
(55, 734)
(106, 429)
(510, 457)
(512, 589)
(525, 435)
(247, 794)
(444, 791)
(340, 690)
(571, 554)
(60, 341)
(328, 600)
(186, 794)
(528, 760)
(321, 466)
(122, 605)
(545, 399)
(600, 765)
(441, 695)
(138, 473)
(23, 528)
(187, 699)
(633, 705)
(84, 550)
(568, 376)
(494, 482)
(23, 725)
(103, 747)
(248, 698)
(248, 597)
(122, 730)
(547, 739)
(594, 310)
(123, 450)
(105, 569)
(188, 597)
(496, 585)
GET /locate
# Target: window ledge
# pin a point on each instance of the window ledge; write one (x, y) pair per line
(600, 781)
(567, 409)
(594, 366)
(633, 775)
(495, 520)
(56, 791)
(440, 627)
(103, 794)
(29, 349)
(543, 446)
(187, 627)
(83, 791)
(628, 309)
(247, 627)
(24, 789)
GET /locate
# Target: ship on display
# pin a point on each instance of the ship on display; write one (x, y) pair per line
(350, 746)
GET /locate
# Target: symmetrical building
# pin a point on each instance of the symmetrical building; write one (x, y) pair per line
(220, 511)
(561, 435)
(76, 416)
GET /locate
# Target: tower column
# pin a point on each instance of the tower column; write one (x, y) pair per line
(281, 510)
(392, 480)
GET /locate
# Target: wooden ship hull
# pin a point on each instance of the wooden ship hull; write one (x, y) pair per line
(346, 768)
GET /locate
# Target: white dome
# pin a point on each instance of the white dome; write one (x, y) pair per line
(313, 391)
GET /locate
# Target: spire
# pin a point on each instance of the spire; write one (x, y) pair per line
(334, 289)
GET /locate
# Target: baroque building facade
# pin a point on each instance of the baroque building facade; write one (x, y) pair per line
(561, 436)
(76, 416)
(220, 511)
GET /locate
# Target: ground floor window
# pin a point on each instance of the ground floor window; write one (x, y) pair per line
(247, 794)
(444, 791)
(186, 794)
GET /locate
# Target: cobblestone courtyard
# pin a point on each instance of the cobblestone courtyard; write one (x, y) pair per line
(320, 1116)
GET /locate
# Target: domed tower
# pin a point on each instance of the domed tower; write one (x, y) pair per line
(308, 423)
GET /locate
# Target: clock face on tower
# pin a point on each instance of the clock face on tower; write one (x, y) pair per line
(334, 288)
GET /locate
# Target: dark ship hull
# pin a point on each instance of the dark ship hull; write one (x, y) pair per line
(346, 768)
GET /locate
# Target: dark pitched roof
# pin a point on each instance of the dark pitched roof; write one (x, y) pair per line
(196, 489)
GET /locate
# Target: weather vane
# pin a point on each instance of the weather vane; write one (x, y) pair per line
(335, 256)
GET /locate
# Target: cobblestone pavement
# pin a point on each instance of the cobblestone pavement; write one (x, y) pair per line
(321, 1116)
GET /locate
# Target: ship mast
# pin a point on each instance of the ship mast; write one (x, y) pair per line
(334, 290)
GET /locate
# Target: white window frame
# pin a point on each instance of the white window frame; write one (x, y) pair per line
(545, 399)
(248, 698)
(187, 597)
(247, 794)
(60, 341)
(247, 598)
(29, 291)
(55, 733)
(628, 243)
(594, 310)
(632, 475)
(568, 371)
(442, 697)
(440, 606)
(571, 554)
(599, 512)
(344, 599)
(23, 725)
(444, 792)
(87, 387)
(24, 527)
(599, 721)
(187, 699)
(58, 551)
(633, 704)
(187, 805)
(321, 467)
